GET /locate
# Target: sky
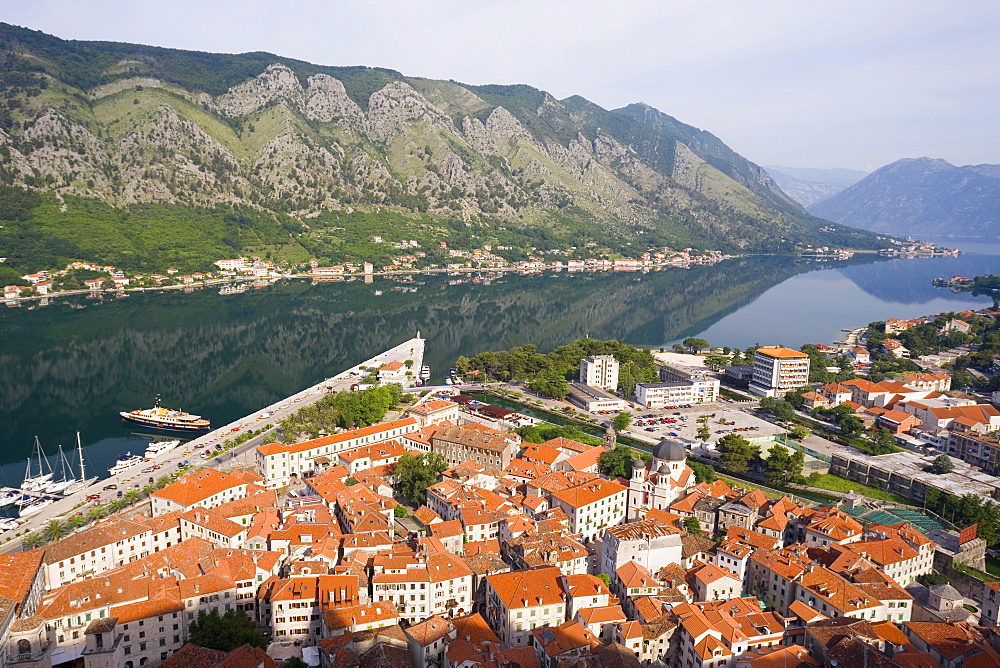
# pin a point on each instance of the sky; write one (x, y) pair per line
(810, 83)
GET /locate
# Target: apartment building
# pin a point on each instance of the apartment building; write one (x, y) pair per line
(422, 585)
(777, 370)
(659, 395)
(600, 371)
(651, 543)
(295, 606)
(521, 601)
(207, 488)
(481, 445)
(714, 634)
(592, 506)
(279, 463)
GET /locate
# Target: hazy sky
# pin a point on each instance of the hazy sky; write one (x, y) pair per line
(812, 83)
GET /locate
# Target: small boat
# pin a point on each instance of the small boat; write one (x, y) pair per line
(157, 448)
(125, 462)
(8, 495)
(7, 524)
(425, 372)
(34, 508)
(166, 419)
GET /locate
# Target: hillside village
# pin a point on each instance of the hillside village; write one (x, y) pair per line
(519, 554)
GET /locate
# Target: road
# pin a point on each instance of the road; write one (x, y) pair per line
(242, 456)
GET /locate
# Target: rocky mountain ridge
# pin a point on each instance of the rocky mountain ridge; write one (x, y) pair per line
(807, 186)
(128, 126)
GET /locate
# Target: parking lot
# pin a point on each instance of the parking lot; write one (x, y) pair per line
(681, 423)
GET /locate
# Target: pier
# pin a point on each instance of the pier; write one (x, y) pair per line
(169, 462)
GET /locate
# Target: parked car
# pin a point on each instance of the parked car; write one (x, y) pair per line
(112, 486)
(93, 497)
(119, 494)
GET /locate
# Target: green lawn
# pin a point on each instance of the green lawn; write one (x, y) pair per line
(838, 484)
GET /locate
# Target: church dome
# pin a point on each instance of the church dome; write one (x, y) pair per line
(670, 451)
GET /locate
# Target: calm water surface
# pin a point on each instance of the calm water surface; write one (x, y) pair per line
(74, 364)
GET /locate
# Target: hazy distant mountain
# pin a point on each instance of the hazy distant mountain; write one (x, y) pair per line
(807, 185)
(921, 196)
(160, 155)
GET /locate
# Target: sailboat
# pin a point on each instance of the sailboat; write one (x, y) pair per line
(37, 483)
(83, 480)
(65, 480)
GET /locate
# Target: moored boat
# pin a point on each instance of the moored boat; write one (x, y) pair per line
(35, 507)
(37, 482)
(8, 495)
(157, 448)
(125, 462)
(166, 419)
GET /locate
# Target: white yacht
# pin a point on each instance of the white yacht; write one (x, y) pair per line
(36, 506)
(8, 495)
(125, 462)
(157, 448)
(36, 482)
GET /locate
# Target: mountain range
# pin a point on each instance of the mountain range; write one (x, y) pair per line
(808, 185)
(146, 157)
(921, 196)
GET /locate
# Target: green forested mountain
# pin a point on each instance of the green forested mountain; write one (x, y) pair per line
(146, 157)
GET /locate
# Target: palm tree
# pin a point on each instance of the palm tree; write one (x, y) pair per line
(163, 481)
(76, 520)
(149, 489)
(54, 530)
(131, 496)
(32, 541)
(97, 512)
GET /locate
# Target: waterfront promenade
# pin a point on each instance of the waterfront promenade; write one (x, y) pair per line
(191, 451)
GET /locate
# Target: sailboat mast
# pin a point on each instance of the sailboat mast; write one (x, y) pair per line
(79, 447)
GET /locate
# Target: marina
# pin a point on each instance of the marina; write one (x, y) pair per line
(40, 507)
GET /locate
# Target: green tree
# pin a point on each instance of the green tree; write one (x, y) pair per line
(617, 462)
(704, 433)
(622, 421)
(551, 383)
(851, 425)
(778, 461)
(942, 464)
(695, 345)
(605, 578)
(779, 409)
(226, 632)
(716, 362)
(295, 662)
(679, 348)
(737, 452)
(415, 473)
(32, 541)
(54, 530)
(703, 472)
(692, 525)
(798, 432)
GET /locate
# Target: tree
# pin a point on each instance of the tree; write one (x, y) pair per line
(622, 421)
(737, 452)
(551, 383)
(778, 461)
(617, 462)
(295, 662)
(695, 345)
(942, 464)
(605, 578)
(227, 632)
(851, 425)
(703, 472)
(54, 530)
(799, 432)
(32, 541)
(704, 433)
(779, 409)
(400, 511)
(415, 473)
(692, 525)
(679, 348)
(716, 362)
